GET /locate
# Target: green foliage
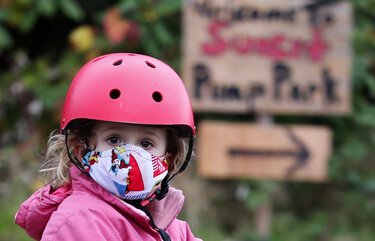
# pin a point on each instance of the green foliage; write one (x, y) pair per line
(159, 24)
(8, 230)
(38, 60)
(71, 9)
(5, 38)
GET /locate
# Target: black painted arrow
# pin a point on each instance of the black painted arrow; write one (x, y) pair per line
(301, 154)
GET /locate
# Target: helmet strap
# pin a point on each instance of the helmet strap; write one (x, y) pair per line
(165, 182)
(73, 160)
(188, 155)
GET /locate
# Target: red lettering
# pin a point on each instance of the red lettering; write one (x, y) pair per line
(276, 47)
(218, 44)
(241, 45)
(276, 51)
(296, 49)
(263, 46)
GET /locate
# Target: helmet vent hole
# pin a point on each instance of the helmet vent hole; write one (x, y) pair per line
(114, 94)
(151, 65)
(157, 96)
(118, 62)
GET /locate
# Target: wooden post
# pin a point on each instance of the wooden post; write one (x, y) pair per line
(263, 214)
(263, 220)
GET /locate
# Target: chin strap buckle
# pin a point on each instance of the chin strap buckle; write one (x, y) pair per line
(158, 194)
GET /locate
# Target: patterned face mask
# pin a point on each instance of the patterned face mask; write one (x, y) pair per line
(127, 171)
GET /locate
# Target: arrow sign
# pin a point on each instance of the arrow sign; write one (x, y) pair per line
(301, 154)
(228, 150)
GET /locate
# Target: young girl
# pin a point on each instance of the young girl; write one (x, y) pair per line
(127, 129)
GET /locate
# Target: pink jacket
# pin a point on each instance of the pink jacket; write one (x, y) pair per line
(85, 211)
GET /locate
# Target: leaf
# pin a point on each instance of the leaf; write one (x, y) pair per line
(46, 7)
(4, 14)
(161, 33)
(369, 185)
(256, 199)
(72, 10)
(5, 38)
(354, 149)
(148, 42)
(167, 7)
(365, 115)
(28, 21)
(370, 83)
(126, 6)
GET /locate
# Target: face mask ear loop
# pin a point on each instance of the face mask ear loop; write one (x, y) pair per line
(165, 182)
(74, 161)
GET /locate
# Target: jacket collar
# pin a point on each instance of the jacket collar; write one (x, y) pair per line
(162, 211)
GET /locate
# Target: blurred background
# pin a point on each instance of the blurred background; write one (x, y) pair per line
(44, 42)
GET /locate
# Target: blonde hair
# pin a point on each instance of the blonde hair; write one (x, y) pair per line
(55, 169)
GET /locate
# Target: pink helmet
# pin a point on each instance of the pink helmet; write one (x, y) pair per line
(128, 88)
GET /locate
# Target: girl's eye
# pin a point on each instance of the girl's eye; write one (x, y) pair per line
(146, 144)
(114, 140)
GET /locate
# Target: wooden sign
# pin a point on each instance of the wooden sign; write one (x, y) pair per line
(268, 56)
(240, 150)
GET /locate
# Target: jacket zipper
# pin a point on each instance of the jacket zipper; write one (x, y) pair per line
(163, 234)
